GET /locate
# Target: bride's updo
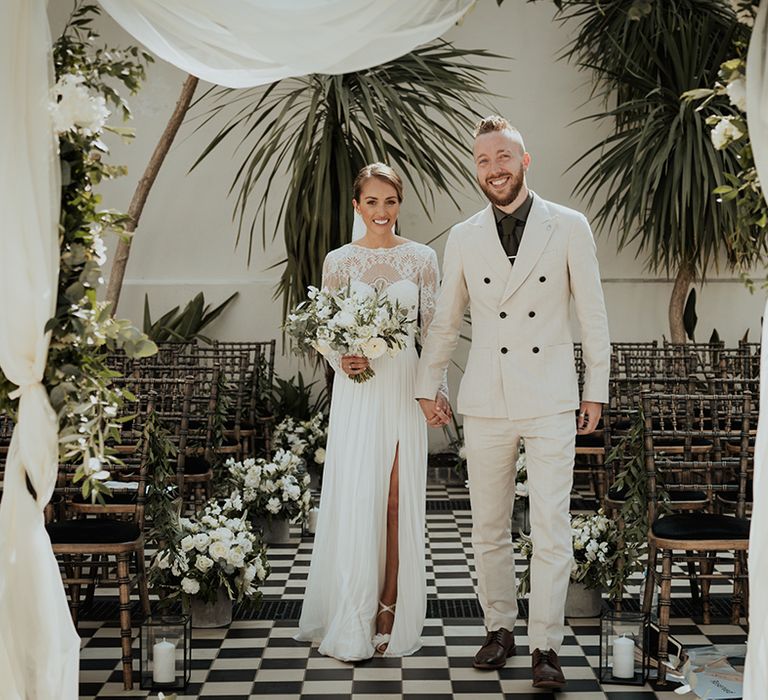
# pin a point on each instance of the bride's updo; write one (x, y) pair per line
(380, 171)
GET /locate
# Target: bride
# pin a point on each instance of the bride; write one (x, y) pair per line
(366, 590)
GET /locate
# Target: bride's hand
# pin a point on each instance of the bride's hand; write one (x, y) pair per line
(353, 364)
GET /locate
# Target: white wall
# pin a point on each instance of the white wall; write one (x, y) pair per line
(185, 241)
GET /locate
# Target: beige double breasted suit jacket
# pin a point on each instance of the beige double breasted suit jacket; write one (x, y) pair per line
(521, 362)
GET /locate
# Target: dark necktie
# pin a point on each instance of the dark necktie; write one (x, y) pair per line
(511, 233)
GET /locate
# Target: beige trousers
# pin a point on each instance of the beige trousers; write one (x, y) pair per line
(491, 447)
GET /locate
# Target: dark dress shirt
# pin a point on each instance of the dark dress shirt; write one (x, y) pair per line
(512, 226)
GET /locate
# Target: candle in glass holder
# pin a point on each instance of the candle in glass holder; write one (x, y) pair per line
(312, 520)
(164, 662)
(624, 657)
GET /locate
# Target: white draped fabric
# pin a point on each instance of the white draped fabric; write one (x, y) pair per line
(756, 671)
(237, 43)
(242, 43)
(39, 648)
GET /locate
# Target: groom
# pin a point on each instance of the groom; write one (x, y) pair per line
(518, 264)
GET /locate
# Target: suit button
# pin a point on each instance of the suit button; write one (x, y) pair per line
(487, 280)
(542, 279)
(503, 314)
(531, 314)
(535, 350)
(504, 351)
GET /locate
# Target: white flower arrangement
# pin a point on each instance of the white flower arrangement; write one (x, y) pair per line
(305, 439)
(215, 551)
(74, 108)
(278, 488)
(349, 323)
(726, 130)
(595, 551)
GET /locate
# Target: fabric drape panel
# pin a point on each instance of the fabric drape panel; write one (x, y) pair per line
(39, 648)
(756, 671)
(242, 43)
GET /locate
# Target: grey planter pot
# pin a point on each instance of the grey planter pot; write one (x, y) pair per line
(275, 531)
(582, 601)
(216, 614)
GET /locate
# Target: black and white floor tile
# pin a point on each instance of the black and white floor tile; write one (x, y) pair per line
(258, 658)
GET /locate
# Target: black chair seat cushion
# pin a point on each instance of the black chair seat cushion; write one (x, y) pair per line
(196, 464)
(620, 494)
(118, 498)
(590, 440)
(701, 526)
(92, 531)
(733, 496)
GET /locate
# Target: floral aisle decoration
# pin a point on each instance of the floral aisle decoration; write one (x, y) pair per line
(304, 438)
(82, 331)
(727, 104)
(277, 488)
(595, 552)
(218, 549)
(347, 322)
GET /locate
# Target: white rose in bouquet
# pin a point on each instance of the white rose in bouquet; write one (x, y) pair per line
(274, 506)
(373, 348)
(187, 544)
(218, 550)
(203, 563)
(320, 455)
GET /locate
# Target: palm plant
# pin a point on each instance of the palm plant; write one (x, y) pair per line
(413, 112)
(655, 174)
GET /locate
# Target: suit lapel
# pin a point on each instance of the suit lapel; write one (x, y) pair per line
(538, 231)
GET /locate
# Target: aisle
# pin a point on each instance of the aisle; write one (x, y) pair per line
(257, 658)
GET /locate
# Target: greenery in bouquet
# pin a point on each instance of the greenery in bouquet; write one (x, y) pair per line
(347, 322)
(82, 330)
(595, 553)
(304, 438)
(216, 550)
(277, 488)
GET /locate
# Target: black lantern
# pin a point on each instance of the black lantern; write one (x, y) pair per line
(624, 647)
(166, 652)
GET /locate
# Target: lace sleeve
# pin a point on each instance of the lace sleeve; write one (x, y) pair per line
(332, 280)
(429, 283)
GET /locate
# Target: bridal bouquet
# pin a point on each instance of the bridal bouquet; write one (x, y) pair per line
(215, 551)
(278, 487)
(349, 323)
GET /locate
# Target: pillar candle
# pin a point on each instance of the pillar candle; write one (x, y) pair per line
(623, 657)
(164, 662)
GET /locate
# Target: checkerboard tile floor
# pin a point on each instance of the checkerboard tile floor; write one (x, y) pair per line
(260, 659)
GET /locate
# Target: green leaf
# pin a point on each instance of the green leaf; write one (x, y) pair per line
(689, 315)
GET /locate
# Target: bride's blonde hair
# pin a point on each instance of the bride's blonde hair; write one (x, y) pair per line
(380, 171)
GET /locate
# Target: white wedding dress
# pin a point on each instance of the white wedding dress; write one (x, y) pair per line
(367, 423)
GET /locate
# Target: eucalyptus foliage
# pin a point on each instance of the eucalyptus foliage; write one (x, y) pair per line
(413, 112)
(82, 333)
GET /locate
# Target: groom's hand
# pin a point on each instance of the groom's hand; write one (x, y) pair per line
(589, 416)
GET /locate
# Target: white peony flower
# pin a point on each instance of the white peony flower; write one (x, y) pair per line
(320, 455)
(74, 108)
(187, 544)
(737, 93)
(203, 563)
(724, 133)
(190, 586)
(274, 506)
(218, 550)
(374, 348)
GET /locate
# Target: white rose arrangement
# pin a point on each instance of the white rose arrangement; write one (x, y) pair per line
(347, 322)
(215, 551)
(595, 552)
(305, 439)
(276, 488)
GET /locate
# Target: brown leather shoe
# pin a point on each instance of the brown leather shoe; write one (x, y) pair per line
(546, 670)
(498, 647)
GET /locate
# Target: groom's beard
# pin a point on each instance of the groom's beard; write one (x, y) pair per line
(506, 197)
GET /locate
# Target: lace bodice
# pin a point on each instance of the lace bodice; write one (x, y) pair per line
(407, 272)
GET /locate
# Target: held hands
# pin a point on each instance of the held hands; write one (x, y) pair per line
(589, 416)
(437, 412)
(353, 365)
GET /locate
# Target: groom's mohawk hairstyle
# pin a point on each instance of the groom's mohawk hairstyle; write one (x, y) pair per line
(493, 123)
